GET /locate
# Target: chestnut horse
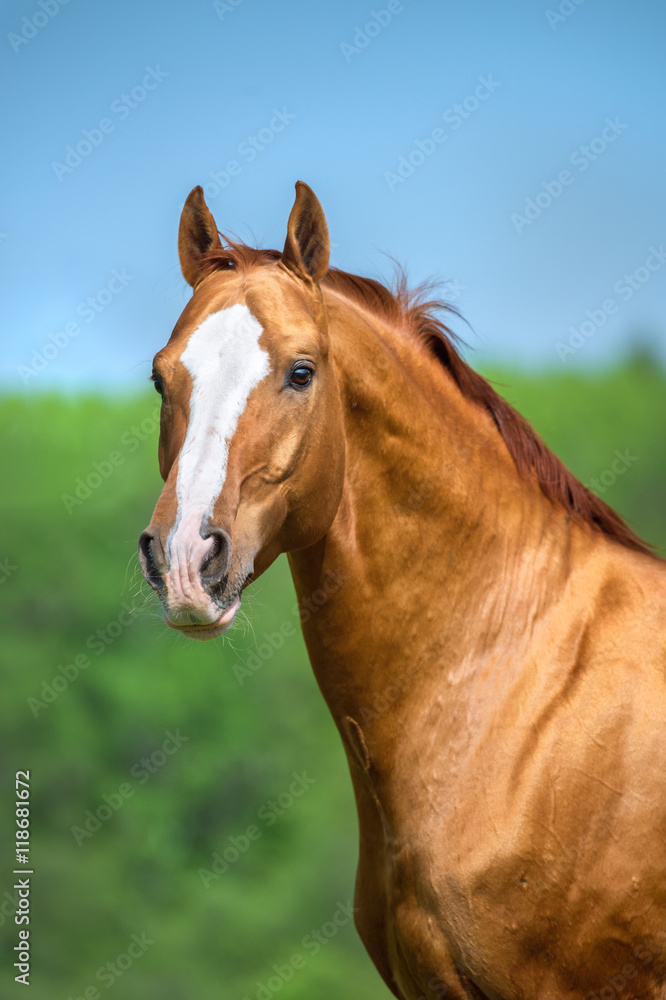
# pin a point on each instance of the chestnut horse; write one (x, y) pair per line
(491, 648)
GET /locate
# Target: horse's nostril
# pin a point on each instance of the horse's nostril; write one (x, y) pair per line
(214, 550)
(215, 565)
(147, 561)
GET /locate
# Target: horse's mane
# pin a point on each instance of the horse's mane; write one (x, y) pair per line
(414, 311)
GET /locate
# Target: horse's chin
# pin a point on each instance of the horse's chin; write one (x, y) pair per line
(209, 630)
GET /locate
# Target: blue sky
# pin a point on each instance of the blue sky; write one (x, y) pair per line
(181, 89)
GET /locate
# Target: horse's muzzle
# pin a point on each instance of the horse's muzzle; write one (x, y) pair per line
(190, 574)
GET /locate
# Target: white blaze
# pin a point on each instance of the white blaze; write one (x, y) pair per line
(225, 362)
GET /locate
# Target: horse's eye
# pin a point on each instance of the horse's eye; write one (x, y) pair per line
(301, 376)
(157, 382)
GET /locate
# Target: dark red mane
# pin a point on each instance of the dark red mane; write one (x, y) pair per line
(412, 311)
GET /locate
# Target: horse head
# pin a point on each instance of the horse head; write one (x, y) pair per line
(251, 444)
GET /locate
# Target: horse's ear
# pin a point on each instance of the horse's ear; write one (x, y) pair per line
(197, 235)
(307, 246)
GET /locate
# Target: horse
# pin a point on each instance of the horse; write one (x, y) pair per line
(486, 631)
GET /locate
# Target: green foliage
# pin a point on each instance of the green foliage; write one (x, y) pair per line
(70, 575)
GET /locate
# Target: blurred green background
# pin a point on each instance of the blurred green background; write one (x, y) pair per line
(149, 863)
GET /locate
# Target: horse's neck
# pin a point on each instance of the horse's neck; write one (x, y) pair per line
(439, 551)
